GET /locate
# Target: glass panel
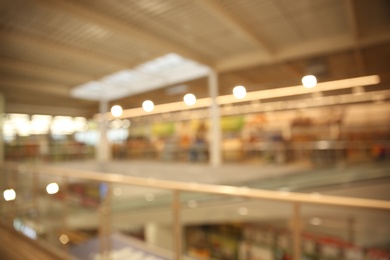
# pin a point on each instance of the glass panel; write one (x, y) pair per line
(224, 227)
(141, 223)
(50, 218)
(344, 233)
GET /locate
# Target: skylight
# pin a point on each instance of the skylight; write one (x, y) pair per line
(154, 74)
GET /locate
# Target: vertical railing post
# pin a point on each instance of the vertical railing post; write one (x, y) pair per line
(105, 220)
(65, 210)
(35, 195)
(177, 228)
(296, 228)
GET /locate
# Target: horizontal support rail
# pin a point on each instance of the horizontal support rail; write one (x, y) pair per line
(244, 192)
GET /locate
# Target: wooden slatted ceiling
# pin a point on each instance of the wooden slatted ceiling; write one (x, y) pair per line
(48, 47)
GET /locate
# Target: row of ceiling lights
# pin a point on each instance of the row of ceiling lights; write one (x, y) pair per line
(308, 81)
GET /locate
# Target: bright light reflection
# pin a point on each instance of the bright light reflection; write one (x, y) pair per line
(189, 99)
(52, 188)
(309, 81)
(148, 105)
(116, 111)
(62, 125)
(64, 239)
(9, 194)
(80, 124)
(239, 92)
(40, 124)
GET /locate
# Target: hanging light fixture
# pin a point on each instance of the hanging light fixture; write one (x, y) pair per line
(52, 188)
(9, 194)
(309, 81)
(239, 91)
(148, 105)
(116, 111)
(189, 99)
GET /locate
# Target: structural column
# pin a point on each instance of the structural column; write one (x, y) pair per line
(215, 128)
(1, 128)
(103, 148)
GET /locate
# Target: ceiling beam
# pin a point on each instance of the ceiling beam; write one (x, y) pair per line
(47, 110)
(235, 24)
(351, 9)
(41, 71)
(112, 24)
(47, 46)
(38, 86)
(305, 50)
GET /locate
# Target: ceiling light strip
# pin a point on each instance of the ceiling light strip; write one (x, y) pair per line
(254, 95)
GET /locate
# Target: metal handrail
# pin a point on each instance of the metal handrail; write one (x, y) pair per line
(244, 192)
(297, 199)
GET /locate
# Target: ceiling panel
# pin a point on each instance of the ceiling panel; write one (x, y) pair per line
(261, 43)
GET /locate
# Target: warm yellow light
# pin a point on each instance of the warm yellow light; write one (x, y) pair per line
(255, 95)
(52, 188)
(9, 194)
(309, 81)
(116, 111)
(148, 105)
(189, 99)
(64, 239)
(239, 92)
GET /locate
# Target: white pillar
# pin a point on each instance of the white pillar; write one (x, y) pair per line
(215, 128)
(103, 149)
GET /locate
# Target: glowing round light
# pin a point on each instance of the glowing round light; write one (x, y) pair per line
(189, 99)
(9, 194)
(148, 105)
(239, 92)
(116, 110)
(52, 188)
(309, 81)
(64, 239)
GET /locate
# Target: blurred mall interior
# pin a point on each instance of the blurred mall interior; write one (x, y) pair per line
(200, 129)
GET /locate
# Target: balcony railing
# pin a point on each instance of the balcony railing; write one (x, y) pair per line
(88, 199)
